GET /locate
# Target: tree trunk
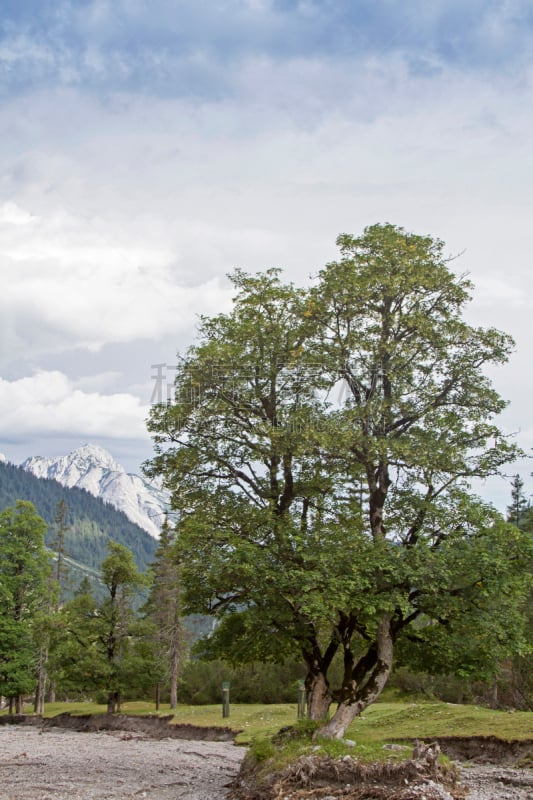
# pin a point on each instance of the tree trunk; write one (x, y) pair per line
(52, 693)
(318, 697)
(174, 693)
(339, 723)
(358, 698)
(11, 705)
(157, 696)
(19, 704)
(113, 702)
(38, 705)
(175, 660)
(495, 698)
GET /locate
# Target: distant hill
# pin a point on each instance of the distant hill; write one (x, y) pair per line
(91, 521)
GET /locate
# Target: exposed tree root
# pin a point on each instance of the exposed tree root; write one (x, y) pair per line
(325, 778)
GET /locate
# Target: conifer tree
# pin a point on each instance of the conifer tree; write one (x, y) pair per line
(519, 504)
(24, 568)
(61, 570)
(163, 609)
(115, 617)
(58, 584)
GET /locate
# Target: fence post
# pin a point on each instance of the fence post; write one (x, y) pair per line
(225, 699)
(301, 699)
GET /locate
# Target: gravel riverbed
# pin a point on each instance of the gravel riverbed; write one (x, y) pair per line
(60, 764)
(57, 764)
(494, 782)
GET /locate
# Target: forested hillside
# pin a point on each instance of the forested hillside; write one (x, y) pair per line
(91, 523)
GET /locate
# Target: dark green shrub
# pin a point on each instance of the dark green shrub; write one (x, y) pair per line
(201, 682)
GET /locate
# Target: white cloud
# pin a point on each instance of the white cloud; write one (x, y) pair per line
(48, 404)
(74, 284)
(122, 227)
(12, 214)
(164, 197)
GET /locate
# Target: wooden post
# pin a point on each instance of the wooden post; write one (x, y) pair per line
(301, 699)
(225, 699)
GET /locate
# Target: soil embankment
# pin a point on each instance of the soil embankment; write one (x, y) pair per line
(485, 768)
(154, 726)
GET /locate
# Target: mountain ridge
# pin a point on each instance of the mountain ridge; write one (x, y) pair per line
(94, 469)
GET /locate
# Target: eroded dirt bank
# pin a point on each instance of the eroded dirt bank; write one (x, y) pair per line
(154, 726)
(421, 777)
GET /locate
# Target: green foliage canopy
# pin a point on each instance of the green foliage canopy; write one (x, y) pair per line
(24, 569)
(319, 450)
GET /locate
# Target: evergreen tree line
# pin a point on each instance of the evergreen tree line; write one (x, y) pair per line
(80, 647)
(90, 523)
(101, 648)
(57, 643)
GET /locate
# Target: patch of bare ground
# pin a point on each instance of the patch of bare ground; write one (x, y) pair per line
(491, 782)
(492, 768)
(45, 763)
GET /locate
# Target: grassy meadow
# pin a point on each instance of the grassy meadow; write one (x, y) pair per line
(382, 723)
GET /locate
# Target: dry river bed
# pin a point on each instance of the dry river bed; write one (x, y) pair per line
(57, 764)
(494, 782)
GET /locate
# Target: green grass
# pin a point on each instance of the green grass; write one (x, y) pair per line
(251, 719)
(396, 721)
(381, 723)
(52, 709)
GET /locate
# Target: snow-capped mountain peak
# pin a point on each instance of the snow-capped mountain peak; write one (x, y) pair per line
(92, 468)
(86, 464)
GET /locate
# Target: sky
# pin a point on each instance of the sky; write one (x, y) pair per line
(149, 148)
